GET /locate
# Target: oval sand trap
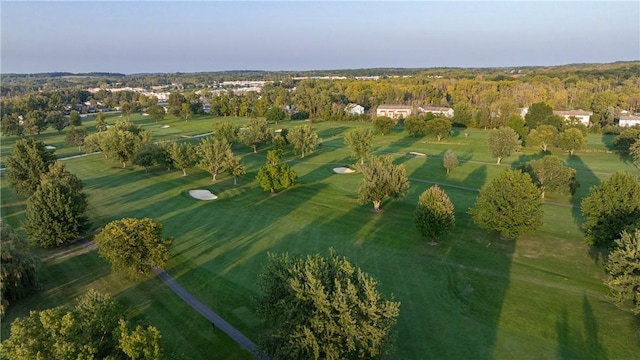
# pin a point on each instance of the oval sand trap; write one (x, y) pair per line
(49, 147)
(343, 170)
(202, 194)
(164, 126)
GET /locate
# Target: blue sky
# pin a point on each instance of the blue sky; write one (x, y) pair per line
(140, 36)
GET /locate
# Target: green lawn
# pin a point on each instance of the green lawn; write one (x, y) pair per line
(473, 296)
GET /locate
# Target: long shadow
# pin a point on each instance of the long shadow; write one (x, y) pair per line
(587, 179)
(575, 343)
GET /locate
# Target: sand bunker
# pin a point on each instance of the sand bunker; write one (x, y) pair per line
(415, 153)
(202, 195)
(49, 147)
(278, 130)
(164, 126)
(343, 170)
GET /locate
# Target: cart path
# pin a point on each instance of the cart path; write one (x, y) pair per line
(214, 318)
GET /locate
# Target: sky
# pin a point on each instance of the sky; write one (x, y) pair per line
(176, 36)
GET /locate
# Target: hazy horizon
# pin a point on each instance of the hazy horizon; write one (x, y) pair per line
(169, 37)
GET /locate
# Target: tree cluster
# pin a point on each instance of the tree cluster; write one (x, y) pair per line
(18, 267)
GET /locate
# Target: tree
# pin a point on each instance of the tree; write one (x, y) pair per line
(11, 125)
(383, 125)
(359, 141)
(463, 113)
(156, 112)
(623, 267)
(236, 168)
(303, 139)
(275, 175)
(186, 112)
(323, 308)
(625, 140)
(611, 207)
(382, 179)
(634, 151)
(509, 204)
(439, 127)
(275, 114)
(571, 140)
(226, 130)
(91, 330)
(214, 156)
(37, 121)
(123, 140)
(17, 267)
(517, 123)
(26, 164)
(183, 156)
(550, 174)
(415, 126)
(148, 155)
(503, 142)
(133, 245)
(543, 135)
(101, 124)
(75, 136)
(449, 160)
(536, 114)
(56, 119)
(74, 118)
(434, 214)
(127, 108)
(174, 103)
(256, 132)
(56, 210)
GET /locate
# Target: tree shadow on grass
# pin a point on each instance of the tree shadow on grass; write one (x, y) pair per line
(576, 344)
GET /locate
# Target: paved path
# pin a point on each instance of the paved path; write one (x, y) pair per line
(214, 318)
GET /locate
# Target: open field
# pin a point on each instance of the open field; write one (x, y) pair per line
(473, 296)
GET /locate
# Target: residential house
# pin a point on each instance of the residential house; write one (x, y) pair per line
(629, 120)
(354, 109)
(583, 116)
(394, 111)
(436, 110)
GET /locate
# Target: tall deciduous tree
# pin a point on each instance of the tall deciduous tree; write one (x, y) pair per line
(550, 174)
(623, 266)
(439, 127)
(275, 114)
(134, 245)
(449, 160)
(626, 139)
(148, 155)
(303, 139)
(255, 133)
(123, 140)
(503, 142)
(275, 175)
(17, 267)
(11, 125)
(543, 136)
(382, 179)
(611, 207)
(236, 168)
(36, 121)
(186, 112)
(383, 125)
(56, 210)
(434, 214)
(101, 124)
(175, 102)
(92, 330)
(75, 136)
(225, 130)
(571, 140)
(183, 156)
(28, 161)
(74, 118)
(634, 151)
(359, 141)
(214, 156)
(57, 120)
(536, 114)
(156, 112)
(415, 126)
(324, 308)
(509, 204)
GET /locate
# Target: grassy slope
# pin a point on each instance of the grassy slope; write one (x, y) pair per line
(472, 296)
